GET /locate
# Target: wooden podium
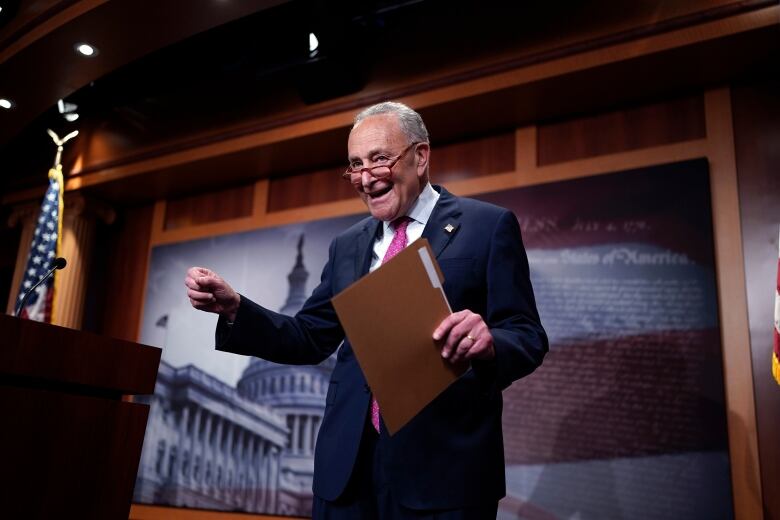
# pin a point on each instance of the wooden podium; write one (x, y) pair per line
(69, 444)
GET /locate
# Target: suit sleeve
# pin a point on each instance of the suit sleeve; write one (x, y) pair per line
(519, 339)
(309, 337)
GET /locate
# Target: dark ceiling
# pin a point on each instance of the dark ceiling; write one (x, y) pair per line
(175, 70)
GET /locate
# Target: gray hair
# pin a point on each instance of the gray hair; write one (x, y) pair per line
(411, 123)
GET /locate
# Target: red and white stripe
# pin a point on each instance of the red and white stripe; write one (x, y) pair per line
(776, 352)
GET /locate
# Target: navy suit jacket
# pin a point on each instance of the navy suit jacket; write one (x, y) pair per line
(451, 454)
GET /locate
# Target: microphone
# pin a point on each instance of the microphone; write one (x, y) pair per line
(59, 263)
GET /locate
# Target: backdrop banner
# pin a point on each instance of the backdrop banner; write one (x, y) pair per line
(625, 418)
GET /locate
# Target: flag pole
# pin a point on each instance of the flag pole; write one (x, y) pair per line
(55, 174)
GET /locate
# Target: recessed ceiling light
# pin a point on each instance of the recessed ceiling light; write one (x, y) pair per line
(6, 103)
(86, 49)
(314, 43)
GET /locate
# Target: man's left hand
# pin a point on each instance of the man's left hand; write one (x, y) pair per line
(466, 337)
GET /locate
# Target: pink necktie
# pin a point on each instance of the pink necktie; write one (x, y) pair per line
(398, 243)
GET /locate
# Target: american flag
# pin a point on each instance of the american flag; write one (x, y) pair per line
(776, 353)
(43, 251)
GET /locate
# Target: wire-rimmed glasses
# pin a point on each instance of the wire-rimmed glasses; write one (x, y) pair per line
(380, 171)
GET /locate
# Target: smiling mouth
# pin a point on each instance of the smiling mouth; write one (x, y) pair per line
(379, 193)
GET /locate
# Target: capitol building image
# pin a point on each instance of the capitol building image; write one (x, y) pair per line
(250, 448)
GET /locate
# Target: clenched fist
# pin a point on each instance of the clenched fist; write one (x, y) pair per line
(208, 292)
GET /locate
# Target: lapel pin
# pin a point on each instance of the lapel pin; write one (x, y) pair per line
(448, 228)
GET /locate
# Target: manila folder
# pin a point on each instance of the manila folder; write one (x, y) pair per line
(389, 317)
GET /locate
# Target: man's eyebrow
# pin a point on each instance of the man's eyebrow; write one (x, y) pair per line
(371, 152)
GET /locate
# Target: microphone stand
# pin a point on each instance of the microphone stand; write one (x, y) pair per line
(43, 279)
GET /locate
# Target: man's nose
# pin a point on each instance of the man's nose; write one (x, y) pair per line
(366, 179)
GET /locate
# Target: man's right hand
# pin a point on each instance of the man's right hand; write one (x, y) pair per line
(208, 292)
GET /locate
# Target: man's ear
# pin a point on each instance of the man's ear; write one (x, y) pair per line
(422, 154)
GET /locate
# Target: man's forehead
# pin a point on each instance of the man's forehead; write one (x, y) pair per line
(375, 133)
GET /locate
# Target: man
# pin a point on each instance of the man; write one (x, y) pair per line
(447, 462)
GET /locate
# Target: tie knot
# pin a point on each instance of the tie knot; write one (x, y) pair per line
(401, 223)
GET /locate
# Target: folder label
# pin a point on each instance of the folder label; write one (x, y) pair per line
(425, 256)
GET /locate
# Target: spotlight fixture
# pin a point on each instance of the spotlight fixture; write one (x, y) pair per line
(314, 44)
(68, 110)
(6, 103)
(86, 49)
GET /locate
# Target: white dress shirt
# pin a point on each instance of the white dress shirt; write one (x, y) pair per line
(420, 212)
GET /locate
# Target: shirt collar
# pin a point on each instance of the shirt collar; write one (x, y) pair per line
(422, 208)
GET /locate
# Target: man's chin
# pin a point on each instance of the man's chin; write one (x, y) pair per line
(381, 212)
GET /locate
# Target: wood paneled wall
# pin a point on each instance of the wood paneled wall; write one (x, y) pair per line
(8, 236)
(618, 131)
(635, 128)
(454, 161)
(126, 258)
(757, 144)
(308, 189)
(656, 132)
(209, 207)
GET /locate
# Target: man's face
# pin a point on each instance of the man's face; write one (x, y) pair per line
(379, 138)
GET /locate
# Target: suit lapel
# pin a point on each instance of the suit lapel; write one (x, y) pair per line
(364, 245)
(444, 222)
